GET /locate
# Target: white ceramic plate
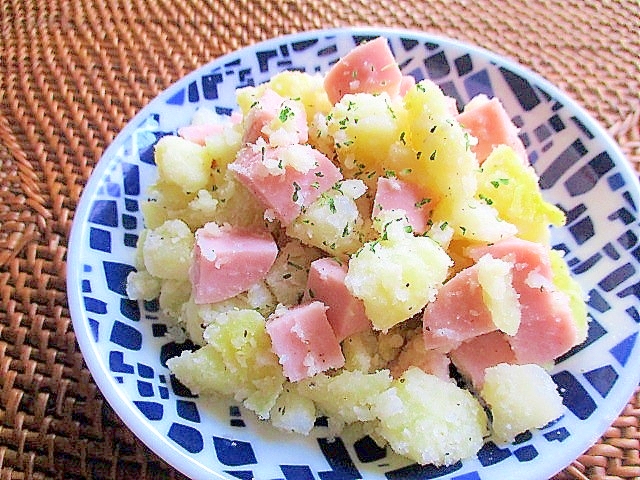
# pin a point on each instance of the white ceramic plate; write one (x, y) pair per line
(124, 342)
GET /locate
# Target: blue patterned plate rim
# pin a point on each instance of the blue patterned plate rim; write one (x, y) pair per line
(118, 399)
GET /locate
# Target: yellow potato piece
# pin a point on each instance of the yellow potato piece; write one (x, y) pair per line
(512, 189)
(495, 277)
(183, 163)
(520, 397)
(396, 275)
(237, 360)
(430, 420)
(563, 280)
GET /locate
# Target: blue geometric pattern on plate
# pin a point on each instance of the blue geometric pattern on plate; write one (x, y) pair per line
(580, 169)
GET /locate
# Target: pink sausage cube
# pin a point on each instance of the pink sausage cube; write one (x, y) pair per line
(285, 191)
(345, 312)
(396, 194)
(406, 83)
(475, 355)
(228, 261)
(547, 328)
(270, 106)
(414, 354)
(199, 133)
(458, 312)
(368, 68)
(303, 340)
(488, 121)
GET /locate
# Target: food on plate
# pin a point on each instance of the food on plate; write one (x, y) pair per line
(353, 246)
(519, 396)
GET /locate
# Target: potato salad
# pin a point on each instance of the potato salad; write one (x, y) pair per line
(351, 245)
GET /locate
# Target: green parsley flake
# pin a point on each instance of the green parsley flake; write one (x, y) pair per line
(422, 203)
(296, 189)
(332, 205)
(285, 114)
(501, 181)
(487, 200)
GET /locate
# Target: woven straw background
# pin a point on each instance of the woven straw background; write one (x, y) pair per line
(72, 73)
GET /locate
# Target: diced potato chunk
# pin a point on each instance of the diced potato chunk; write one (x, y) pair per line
(200, 209)
(307, 88)
(182, 163)
(167, 250)
(520, 397)
(426, 101)
(496, 280)
(288, 275)
(333, 222)
(293, 412)
(173, 294)
(236, 361)
(143, 286)
(430, 420)
(348, 396)
(364, 127)
(512, 189)
(443, 162)
(196, 318)
(165, 201)
(236, 205)
(565, 283)
(472, 220)
(361, 352)
(397, 275)
(223, 148)
(370, 351)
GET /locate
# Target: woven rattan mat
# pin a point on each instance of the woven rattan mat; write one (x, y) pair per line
(72, 73)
